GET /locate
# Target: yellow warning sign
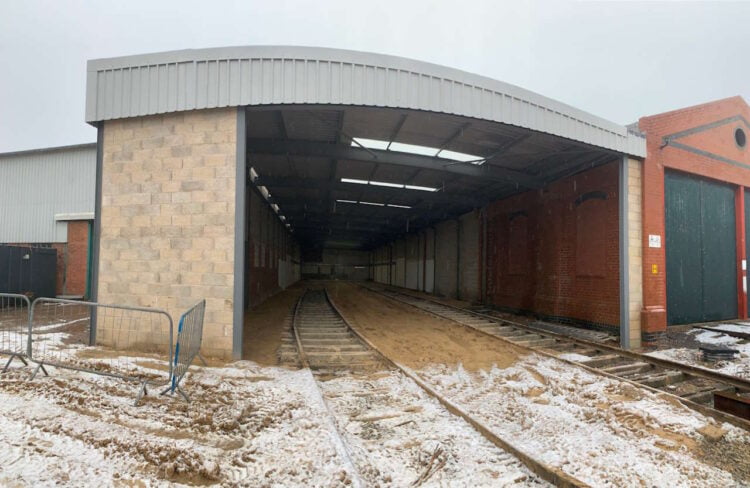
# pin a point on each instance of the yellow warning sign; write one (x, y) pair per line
(654, 269)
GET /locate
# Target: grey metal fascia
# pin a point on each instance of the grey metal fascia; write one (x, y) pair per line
(190, 79)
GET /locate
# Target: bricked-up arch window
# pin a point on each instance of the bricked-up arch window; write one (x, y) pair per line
(518, 235)
(591, 239)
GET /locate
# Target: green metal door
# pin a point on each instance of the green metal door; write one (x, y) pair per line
(701, 250)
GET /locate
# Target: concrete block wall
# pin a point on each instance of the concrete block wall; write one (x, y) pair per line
(635, 249)
(168, 206)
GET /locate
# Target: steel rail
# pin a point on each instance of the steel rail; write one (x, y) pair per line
(548, 473)
(684, 368)
(357, 477)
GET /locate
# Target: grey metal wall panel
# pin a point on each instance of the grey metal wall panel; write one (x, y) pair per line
(399, 254)
(260, 75)
(37, 185)
(445, 259)
(429, 275)
(412, 262)
(469, 257)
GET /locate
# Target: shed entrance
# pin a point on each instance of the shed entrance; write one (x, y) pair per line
(700, 250)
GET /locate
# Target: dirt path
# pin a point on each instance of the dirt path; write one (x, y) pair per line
(414, 338)
(265, 324)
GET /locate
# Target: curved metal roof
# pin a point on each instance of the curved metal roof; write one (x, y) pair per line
(158, 83)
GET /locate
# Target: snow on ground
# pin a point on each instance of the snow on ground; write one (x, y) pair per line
(603, 432)
(740, 327)
(739, 367)
(572, 356)
(246, 426)
(399, 435)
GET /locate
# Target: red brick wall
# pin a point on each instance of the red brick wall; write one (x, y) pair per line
(719, 141)
(546, 230)
(77, 258)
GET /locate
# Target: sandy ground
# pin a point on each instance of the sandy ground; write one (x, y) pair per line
(265, 324)
(414, 338)
(568, 417)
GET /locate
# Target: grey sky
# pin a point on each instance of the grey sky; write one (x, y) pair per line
(616, 60)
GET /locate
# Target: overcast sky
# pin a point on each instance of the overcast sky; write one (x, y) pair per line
(617, 60)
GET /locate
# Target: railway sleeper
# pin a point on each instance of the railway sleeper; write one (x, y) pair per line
(334, 347)
(542, 342)
(628, 369)
(661, 379)
(705, 397)
(603, 360)
(524, 338)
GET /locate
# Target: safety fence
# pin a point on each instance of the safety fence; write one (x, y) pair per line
(187, 348)
(61, 331)
(14, 323)
(131, 343)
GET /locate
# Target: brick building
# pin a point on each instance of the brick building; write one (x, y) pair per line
(695, 179)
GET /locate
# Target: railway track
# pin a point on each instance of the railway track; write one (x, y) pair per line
(331, 348)
(721, 396)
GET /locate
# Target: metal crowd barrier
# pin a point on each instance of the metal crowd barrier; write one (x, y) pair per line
(187, 347)
(57, 332)
(61, 331)
(14, 322)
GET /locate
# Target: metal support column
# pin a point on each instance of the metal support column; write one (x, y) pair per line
(97, 229)
(624, 258)
(240, 230)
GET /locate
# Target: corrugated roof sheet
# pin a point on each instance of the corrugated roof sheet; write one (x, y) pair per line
(38, 184)
(149, 84)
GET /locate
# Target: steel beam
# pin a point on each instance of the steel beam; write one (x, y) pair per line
(284, 182)
(340, 151)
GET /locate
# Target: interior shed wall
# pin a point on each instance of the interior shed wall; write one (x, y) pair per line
(554, 252)
(446, 258)
(469, 254)
(272, 256)
(339, 264)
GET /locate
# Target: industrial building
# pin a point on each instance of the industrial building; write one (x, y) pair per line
(47, 201)
(231, 173)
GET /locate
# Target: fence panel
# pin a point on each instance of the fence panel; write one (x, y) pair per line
(188, 345)
(14, 323)
(132, 343)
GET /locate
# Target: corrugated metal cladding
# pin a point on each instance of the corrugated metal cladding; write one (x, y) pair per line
(446, 254)
(469, 257)
(37, 185)
(413, 262)
(149, 84)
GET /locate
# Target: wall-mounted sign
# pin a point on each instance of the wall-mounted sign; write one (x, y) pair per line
(654, 240)
(654, 269)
